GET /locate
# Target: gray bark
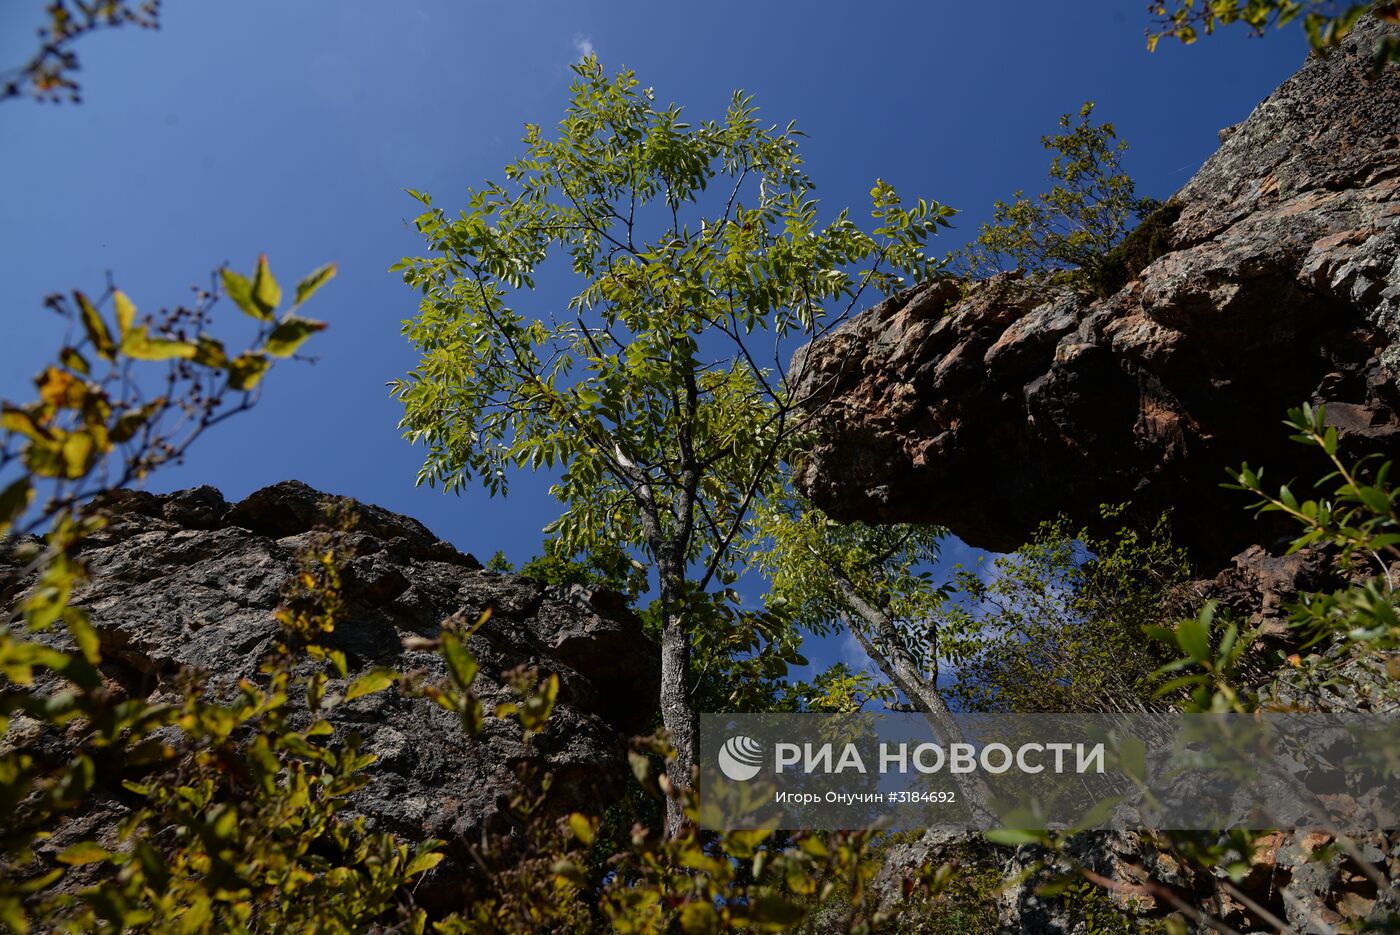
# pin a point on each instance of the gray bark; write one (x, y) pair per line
(887, 648)
(678, 716)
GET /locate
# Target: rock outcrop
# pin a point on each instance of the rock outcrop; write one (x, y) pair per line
(991, 408)
(187, 581)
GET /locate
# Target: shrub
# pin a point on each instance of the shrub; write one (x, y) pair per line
(1058, 626)
(1061, 237)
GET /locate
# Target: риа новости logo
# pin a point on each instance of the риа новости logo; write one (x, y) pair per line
(741, 758)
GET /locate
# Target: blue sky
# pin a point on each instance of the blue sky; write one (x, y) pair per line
(292, 128)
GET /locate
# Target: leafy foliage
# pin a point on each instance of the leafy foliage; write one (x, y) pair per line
(741, 881)
(233, 804)
(839, 689)
(1326, 22)
(806, 555)
(94, 426)
(1064, 234)
(612, 569)
(1057, 626)
(1357, 517)
(644, 391)
(873, 581)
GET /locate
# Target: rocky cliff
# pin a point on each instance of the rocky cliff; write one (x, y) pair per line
(188, 581)
(992, 407)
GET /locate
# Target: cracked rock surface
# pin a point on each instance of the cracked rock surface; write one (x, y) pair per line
(187, 580)
(991, 408)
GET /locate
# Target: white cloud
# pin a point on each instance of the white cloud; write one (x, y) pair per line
(583, 45)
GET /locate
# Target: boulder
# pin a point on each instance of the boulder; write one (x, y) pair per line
(186, 581)
(991, 406)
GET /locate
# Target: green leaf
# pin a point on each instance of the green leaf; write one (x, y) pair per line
(13, 502)
(534, 713)
(95, 327)
(582, 828)
(423, 862)
(81, 629)
(308, 286)
(246, 370)
(459, 661)
(375, 680)
(291, 334)
(1014, 836)
(138, 344)
(126, 311)
(84, 852)
(267, 295)
(1193, 636)
(241, 292)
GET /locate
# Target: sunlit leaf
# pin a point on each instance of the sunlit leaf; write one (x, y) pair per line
(375, 680)
(245, 370)
(126, 311)
(240, 291)
(290, 334)
(84, 852)
(267, 295)
(95, 327)
(318, 278)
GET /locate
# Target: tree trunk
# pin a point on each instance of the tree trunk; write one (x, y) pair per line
(677, 715)
(677, 712)
(888, 650)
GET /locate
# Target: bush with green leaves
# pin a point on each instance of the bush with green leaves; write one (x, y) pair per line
(1057, 626)
(232, 808)
(236, 820)
(1355, 516)
(1062, 236)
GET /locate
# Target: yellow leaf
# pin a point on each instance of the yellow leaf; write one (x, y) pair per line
(582, 828)
(290, 334)
(126, 312)
(699, 918)
(423, 862)
(138, 343)
(95, 327)
(60, 389)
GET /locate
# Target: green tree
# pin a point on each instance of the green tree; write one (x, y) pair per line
(873, 581)
(1063, 234)
(1059, 625)
(870, 580)
(1327, 22)
(656, 391)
